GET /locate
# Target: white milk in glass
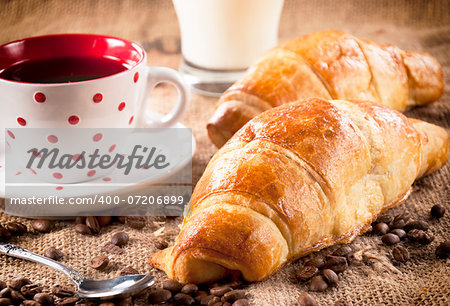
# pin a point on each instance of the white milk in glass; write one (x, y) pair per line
(227, 34)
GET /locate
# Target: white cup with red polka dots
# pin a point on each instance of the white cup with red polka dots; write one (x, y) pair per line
(98, 99)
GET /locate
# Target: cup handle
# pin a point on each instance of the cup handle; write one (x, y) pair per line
(157, 75)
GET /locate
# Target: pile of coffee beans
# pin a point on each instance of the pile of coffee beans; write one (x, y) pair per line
(322, 272)
(12, 229)
(173, 292)
(92, 225)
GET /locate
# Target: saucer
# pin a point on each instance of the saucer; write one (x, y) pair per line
(115, 183)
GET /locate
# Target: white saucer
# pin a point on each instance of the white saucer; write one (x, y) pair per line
(128, 184)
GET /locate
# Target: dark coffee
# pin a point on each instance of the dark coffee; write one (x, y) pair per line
(62, 70)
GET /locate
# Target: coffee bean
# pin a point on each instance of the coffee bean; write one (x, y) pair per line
(30, 303)
(5, 235)
(19, 282)
(189, 289)
(404, 216)
(93, 224)
(112, 248)
(17, 297)
(80, 220)
(16, 228)
(390, 239)
(161, 244)
(421, 225)
(443, 250)
(158, 296)
(172, 285)
(381, 229)
(400, 223)
(213, 301)
(84, 303)
(121, 219)
(206, 299)
(426, 238)
(184, 299)
(44, 299)
(233, 296)
(306, 273)
(62, 292)
(220, 291)
(83, 229)
(437, 211)
(330, 277)
(68, 301)
(128, 271)
(200, 294)
(415, 235)
(99, 262)
(399, 232)
(42, 225)
(3, 285)
(400, 254)
(343, 251)
(124, 302)
(53, 253)
(336, 263)
(241, 302)
(120, 239)
(5, 293)
(135, 222)
(318, 283)
(104, 220)
(107, 304)
(306, 299)
(5, 302)
(388, 219)
(317, 262)
(30, 290)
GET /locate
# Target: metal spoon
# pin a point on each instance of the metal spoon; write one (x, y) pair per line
(122, 286)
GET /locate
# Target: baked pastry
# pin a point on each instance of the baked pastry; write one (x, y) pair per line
(330, 65)
(296, 179)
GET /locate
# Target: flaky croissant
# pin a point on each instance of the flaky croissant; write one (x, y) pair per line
(296, 179)
(329, 65)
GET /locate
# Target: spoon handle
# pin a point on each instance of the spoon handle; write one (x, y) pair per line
(16, 251)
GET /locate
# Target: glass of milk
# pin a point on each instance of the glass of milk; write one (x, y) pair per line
(221, 38)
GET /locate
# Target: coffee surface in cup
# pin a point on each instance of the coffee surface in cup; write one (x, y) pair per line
(62, 70)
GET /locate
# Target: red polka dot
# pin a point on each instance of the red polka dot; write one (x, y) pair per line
(97, 137)
(98, 97)
(121, 106)
(39, 97)
(21, 121)
(74, 120)
(11, 135)
(91, 173)
(136, 77)
(57, 175)
(34, 172)
(52, 139)
(59, 188)
(107, 179)
(131, 120)
(76, 157)
(112, 148)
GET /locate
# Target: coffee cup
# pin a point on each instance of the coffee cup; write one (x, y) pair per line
(83, 81)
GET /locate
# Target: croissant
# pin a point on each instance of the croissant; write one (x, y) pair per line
(329, 65)
(296, 179)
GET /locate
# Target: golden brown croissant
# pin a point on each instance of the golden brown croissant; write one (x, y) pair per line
(329, 65)
(296, 179)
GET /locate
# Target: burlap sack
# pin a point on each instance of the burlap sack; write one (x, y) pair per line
(418, 25)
